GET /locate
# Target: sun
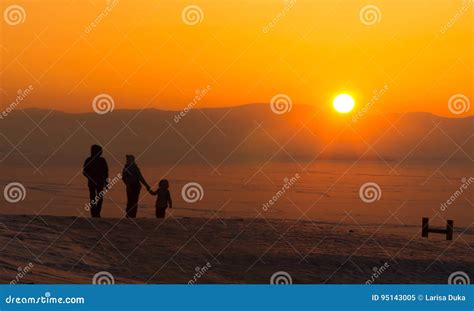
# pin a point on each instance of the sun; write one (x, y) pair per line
(343, 103)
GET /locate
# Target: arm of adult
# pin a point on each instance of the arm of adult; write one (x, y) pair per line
(85, 168)
(143, 181)
(124, 175)
(106, 172)
(170, 202)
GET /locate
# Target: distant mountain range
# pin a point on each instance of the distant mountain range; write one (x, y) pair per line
(236, 134)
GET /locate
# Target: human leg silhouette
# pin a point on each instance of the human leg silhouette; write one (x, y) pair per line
(100, 194)
(92, 194)
(133, 194)
(96, 199)
(160, 212)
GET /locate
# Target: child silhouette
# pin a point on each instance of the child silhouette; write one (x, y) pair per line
(163, 200)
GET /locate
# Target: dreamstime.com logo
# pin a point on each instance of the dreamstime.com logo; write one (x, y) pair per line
(103, 278)
(192, 192)
(14, 14)
(47, 298)
(467, 4)
(103, 103)
(370, 192)
(370, 15)
(378, 271)
(466, 182)
(22, 272)
(459, 104)
(288, 183)
(110, 5)
(192, 15)
(459, 278)
(200, 94)
(200, 271)
(289, 4)
(375, 98)
(281, 278)
(281, 103)
(101, 194)
(21, 96)
(14, 192)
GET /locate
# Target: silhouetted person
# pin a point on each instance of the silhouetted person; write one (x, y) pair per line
(132, 177)
(163, 201)
(97, 173)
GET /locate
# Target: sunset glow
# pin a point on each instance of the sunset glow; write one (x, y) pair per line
(147, 54)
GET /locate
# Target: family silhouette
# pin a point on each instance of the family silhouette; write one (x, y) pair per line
(96, 171)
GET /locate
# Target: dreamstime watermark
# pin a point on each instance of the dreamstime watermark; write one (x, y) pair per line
(103, 103)
(370, 192)
(101, 194)
(459, 278)
(110, 5)
(375, 98)
(288, 183)
(47, 298)
(200, 94)
(377, 272)
(289, 4)
(103, 278)
(281, 103)
(14, 14)
(22, 272)
(192, 15)
(370, 15)
(281, 278)
(466, 182)
(192, 192)
(14, 192)
(457, 16)
(459, 104)
(200, 271)
(21, 96)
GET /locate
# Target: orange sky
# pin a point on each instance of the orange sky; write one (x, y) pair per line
(143, 55)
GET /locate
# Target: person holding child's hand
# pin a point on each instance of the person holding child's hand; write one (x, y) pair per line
(163, 200)
(133, 179)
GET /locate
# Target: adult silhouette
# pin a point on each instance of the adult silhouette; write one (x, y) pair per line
(133, 178)
(97, 172)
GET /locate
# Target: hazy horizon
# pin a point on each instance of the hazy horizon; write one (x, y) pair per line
(178, 109)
